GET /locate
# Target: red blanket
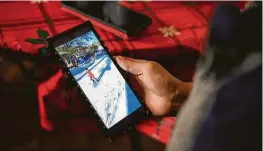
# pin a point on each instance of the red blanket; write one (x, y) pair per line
(174, 39)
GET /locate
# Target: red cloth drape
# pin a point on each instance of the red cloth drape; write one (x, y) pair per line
(188, 22)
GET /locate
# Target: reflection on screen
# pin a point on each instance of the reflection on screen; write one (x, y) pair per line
(99, 78)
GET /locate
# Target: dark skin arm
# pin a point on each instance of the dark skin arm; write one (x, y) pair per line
(162, 92)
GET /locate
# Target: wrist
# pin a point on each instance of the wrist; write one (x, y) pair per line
(180, 94)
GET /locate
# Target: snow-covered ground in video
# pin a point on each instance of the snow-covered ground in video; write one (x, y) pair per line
(110, 94)
(99, 78)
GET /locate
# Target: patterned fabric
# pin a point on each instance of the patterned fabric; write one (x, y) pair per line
(174, 39)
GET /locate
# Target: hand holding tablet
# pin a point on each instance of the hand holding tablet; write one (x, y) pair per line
(97, 77)
(99, 80)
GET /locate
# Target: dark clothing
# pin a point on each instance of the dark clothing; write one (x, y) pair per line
(224, 109)
(234, 124)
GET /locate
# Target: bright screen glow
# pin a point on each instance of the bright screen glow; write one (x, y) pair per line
(99, 78)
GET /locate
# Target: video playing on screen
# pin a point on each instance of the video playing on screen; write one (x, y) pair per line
(99, 78)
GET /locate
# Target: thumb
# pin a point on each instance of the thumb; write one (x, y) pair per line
(133, 66)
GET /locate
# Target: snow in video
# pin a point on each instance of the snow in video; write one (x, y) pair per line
(99, 78)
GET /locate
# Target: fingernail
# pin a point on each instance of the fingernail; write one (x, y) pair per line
(119, 58)
(127, 58)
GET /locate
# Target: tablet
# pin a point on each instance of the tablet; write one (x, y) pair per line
(98, 79)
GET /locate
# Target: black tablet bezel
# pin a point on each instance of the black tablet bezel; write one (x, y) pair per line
(125, 124)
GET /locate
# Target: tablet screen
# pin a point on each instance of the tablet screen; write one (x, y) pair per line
(99, 78)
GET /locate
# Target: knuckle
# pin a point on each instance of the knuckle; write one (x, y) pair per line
(151, 65)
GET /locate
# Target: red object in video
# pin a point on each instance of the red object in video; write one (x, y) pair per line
(90, 74)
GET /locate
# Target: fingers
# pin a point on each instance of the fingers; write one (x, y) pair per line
(133, 66)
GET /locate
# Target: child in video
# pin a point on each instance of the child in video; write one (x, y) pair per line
(91, 75)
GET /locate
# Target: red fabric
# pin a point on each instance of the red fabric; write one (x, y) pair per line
(178, 53)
